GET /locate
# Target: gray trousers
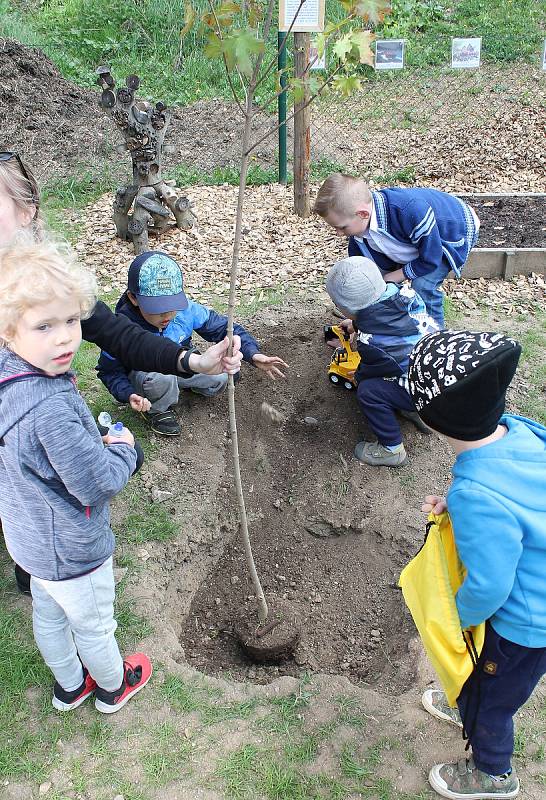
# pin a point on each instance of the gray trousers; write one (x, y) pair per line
(74, 617)
(163, 391)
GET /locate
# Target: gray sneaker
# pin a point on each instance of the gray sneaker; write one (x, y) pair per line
(378, 456)
(414, 417)
(464, 781)
(435, 702)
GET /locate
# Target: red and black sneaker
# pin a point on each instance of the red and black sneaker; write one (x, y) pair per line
(66, 701)
(137, 671)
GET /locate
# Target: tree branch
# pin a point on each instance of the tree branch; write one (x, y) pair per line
(281, 48)
(231, 86)
(291, 117)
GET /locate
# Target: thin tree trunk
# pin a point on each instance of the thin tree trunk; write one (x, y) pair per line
(262, 604)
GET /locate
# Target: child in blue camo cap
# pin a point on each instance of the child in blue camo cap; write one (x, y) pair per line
(155, 300)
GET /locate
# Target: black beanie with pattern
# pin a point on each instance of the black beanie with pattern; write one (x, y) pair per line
(458, 381)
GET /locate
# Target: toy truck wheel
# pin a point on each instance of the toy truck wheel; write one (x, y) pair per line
(348, 385)
(333, 378)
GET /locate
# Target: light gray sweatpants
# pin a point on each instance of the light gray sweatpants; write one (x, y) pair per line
(74, 617)
(163, 391)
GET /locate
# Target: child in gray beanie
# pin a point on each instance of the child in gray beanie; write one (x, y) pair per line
(389, 320)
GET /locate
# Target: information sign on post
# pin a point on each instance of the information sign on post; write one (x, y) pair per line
(309, 18)
(544, 56)
(465, 53)
(389, 54)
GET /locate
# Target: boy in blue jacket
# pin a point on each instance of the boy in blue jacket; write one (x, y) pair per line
(388, 321)
(411, 234)
(156, 301)
(57, 478)
(497, 505)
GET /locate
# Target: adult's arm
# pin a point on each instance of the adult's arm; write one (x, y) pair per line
(131, 344)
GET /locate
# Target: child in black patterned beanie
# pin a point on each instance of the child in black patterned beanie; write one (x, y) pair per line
(497, 506)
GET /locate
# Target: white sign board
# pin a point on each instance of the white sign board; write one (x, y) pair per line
(310, 17)
(544, 56)
(465, 53)
(314, 59)
(389, 54)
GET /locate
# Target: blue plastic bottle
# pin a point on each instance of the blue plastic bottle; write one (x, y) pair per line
(115, 429)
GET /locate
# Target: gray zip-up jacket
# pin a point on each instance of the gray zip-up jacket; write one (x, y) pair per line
(56, 475)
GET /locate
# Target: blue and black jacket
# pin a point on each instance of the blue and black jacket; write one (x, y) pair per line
(194, 319)
(388, 330)
(439, 225)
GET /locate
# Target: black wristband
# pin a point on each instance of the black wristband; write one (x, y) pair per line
(185, 361)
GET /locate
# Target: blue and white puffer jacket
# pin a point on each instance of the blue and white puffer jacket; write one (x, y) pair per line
(196, 318)
(388, 330)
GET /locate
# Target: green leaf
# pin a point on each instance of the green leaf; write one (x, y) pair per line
(222, 15)
(343, 47)
(370, 10)
(189, 19)
(346, 84)
(245, 44)
(320, 43)
(297, 85)
(361, 44)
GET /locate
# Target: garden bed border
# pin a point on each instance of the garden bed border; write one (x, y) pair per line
(504, 262)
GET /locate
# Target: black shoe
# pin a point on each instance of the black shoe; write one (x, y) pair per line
(163, 422)
(66, 701)
(414, 417)
(22, 579)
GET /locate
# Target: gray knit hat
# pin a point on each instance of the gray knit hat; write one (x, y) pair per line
(355, 283)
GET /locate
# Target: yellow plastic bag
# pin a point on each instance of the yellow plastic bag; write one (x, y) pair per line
(429, 584)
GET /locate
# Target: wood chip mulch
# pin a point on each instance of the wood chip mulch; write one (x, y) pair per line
(279, 251)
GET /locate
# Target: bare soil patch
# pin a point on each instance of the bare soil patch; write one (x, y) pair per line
(511, 221)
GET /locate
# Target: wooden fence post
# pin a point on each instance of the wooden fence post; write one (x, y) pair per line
(302, 129)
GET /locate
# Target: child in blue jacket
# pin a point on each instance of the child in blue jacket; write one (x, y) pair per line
(388, 321)
(497, 505)
(155, 300)
(412, 234)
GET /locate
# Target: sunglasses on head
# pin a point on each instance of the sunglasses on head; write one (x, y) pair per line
(7, 155)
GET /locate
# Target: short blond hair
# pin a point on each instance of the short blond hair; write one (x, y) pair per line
(341, 194)
(23, 190)
(38, 273)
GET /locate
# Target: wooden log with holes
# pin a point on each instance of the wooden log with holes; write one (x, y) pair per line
(149, 205)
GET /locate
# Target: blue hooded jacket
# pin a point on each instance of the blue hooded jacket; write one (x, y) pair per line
(196, 318)
(388, 330)
(497, 505)
(438, 224)
(56, 475)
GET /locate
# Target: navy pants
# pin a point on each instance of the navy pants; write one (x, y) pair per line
(379, 398)
(503, 681)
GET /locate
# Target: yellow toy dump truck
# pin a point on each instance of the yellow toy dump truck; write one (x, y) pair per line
(344, 360)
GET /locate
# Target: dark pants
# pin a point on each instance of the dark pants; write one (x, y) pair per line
(379, 399)
(503, 681)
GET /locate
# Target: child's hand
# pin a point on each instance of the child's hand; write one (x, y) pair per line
(126, 437)
(397, 276)
(139, 403)
(270, 365)
(434, 504)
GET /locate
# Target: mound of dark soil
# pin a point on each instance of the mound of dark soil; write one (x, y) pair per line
(329, 535)
(53, 123)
